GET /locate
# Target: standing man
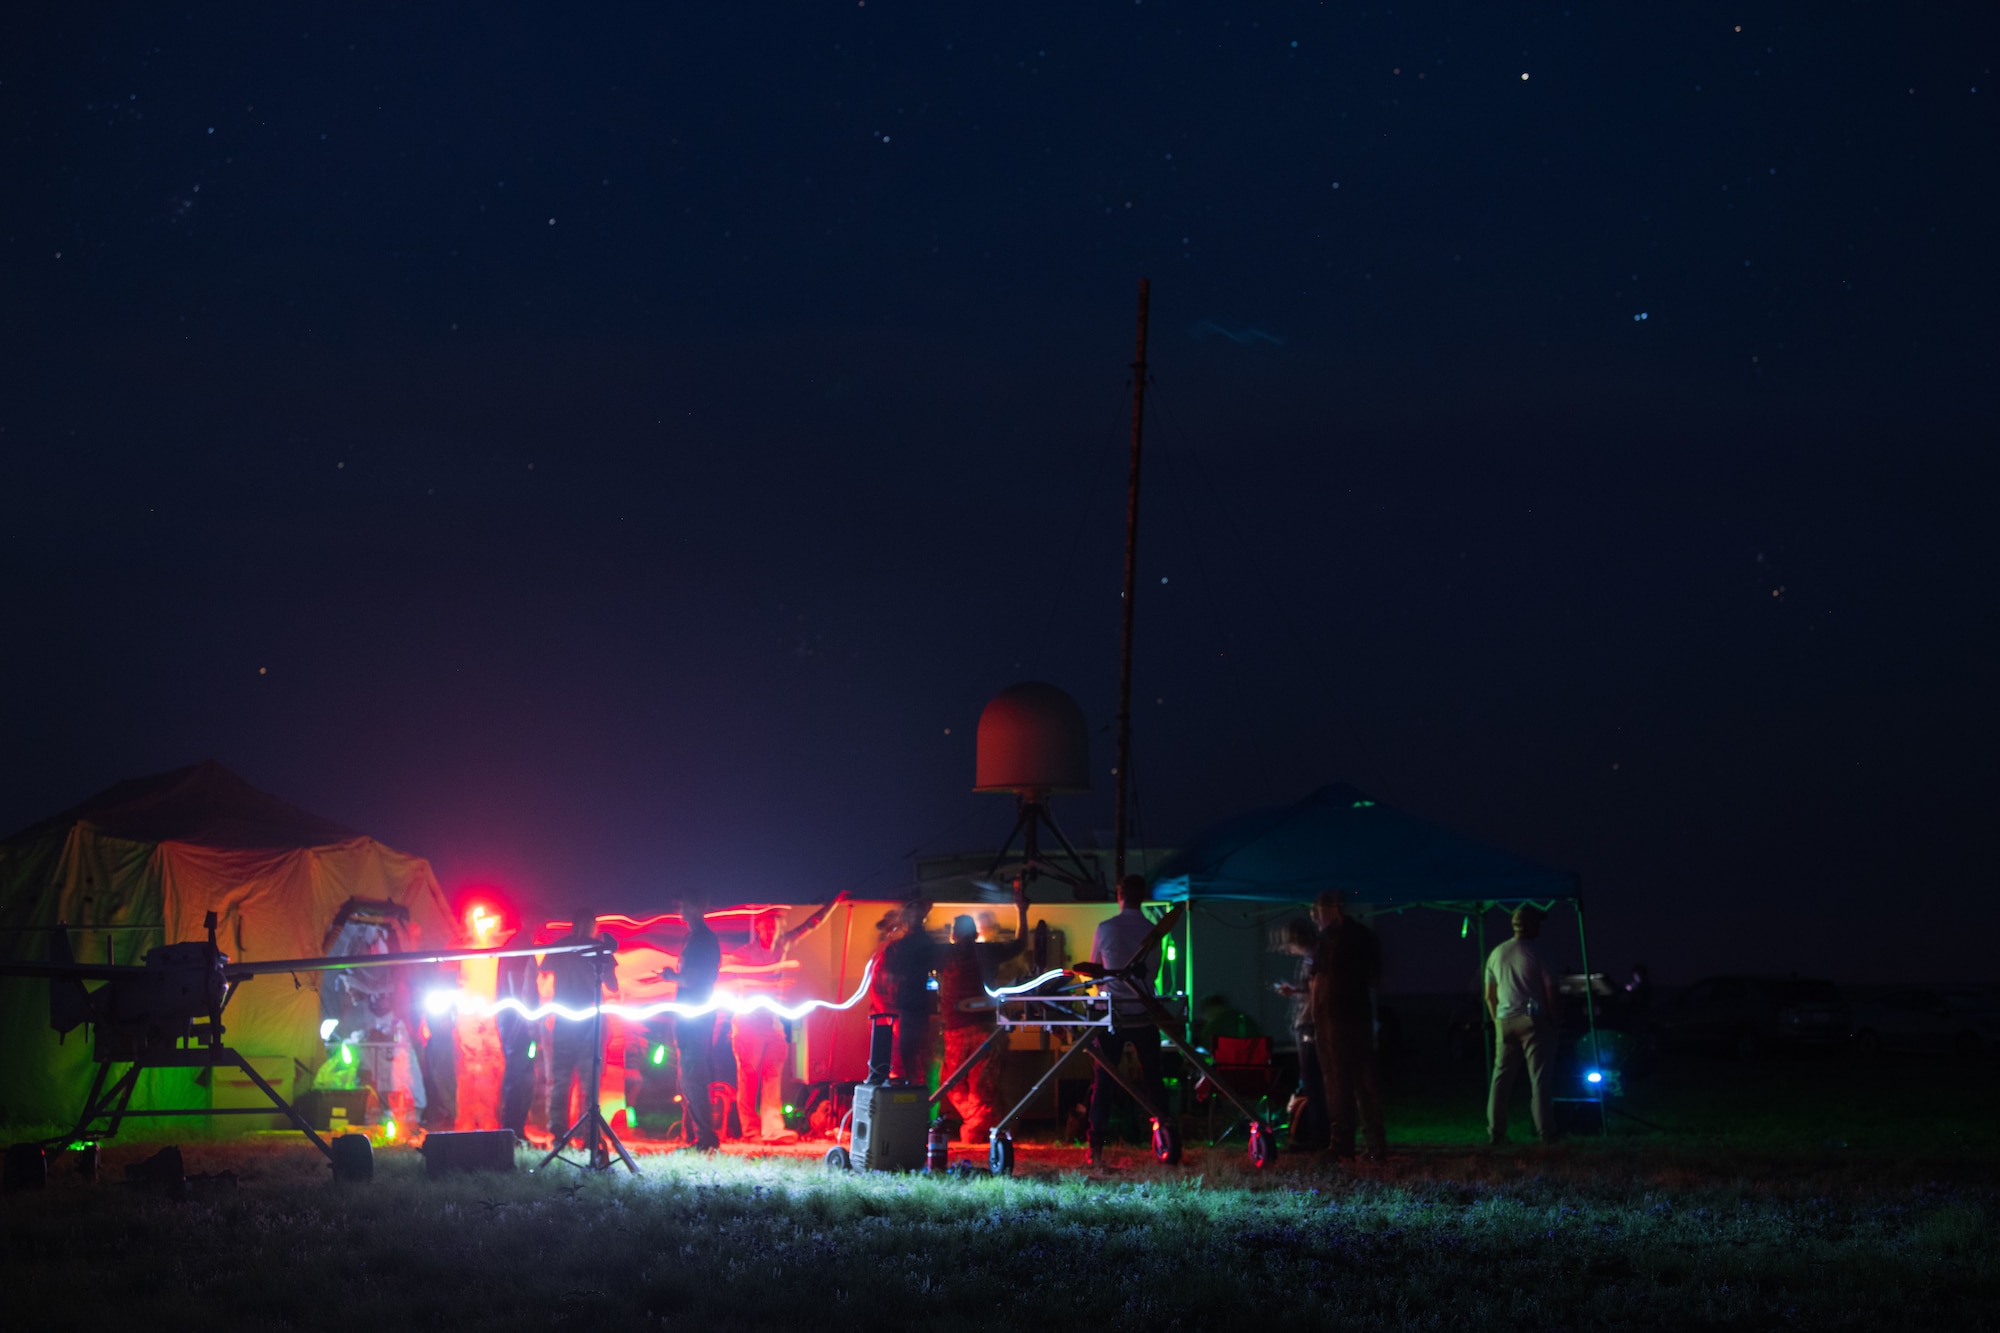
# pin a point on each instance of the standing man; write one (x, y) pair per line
(901, 987)
(440, 1057)
(1299, 937)
(515, 980)
(576, 989)
(1345, 971)
(1116, 945)
(967, 969)
(694, 1038)
(758, 1037)
(1521, 1000)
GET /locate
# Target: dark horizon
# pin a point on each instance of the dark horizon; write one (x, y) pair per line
(610, 452)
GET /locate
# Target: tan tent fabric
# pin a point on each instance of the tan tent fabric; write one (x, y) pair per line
(139, 866)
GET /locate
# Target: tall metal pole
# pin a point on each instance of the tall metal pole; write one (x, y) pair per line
(1131, 584)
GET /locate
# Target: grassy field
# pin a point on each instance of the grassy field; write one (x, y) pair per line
(1797, 1194)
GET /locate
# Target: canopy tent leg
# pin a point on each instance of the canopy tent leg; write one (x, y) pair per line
(1486, 1038)
(1590, 1010)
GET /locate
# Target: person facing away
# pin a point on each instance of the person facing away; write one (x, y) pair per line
(1346, 967)
(758, 1037)
(515, 980)
(966, 968)
(576, 989)
(903, 967)
(694, 1037)
(1521, 1000)
(1306, 1107)
(1121, 942)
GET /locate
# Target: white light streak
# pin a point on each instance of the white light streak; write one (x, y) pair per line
(1005, 992)
(439, 1001)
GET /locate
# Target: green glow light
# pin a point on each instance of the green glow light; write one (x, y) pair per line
(788, 1110)
(1172, 952)
(531, 1050)
(1363, 805)
(346, 1054)
(660, 1053)
(1465, 927)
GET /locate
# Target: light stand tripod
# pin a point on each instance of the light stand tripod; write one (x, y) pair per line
(599, 1141)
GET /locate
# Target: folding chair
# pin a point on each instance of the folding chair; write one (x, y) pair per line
(1246, 1066)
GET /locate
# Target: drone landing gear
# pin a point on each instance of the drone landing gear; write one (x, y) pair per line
(105, 1109)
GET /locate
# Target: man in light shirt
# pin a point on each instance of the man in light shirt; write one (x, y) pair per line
(1116, 945)
(1521, 1000)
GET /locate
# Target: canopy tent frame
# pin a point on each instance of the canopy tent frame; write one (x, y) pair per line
(1474, 908)
(1382, 859)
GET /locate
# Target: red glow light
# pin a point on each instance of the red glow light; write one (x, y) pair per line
(483, 924)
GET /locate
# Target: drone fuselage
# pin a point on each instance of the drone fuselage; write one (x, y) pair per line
(158, 1007)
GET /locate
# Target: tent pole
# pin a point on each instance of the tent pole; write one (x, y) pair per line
(1590, 1008)
(1486, 1040)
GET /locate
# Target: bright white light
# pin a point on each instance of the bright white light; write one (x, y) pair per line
(438, 1001)
(1593, 1077)
(1005, 991)
(327, 1028)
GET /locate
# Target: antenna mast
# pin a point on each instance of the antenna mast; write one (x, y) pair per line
(1131, 588)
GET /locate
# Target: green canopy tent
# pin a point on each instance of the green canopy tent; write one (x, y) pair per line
(1380, 858)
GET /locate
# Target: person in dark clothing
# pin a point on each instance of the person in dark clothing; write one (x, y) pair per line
(576, 988)
(516, 980)
(965, 970)
(1307, 1105)
(1121, 942)
(1346, 968)
(694, 1038)
(440, 1059)
(902, 987)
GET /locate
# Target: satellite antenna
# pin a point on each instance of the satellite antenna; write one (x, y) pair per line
(1033, 743)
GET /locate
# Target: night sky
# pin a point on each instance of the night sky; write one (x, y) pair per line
(606, 448)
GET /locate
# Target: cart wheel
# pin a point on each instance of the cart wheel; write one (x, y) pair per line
(1260, 1145)
(1166, 1143)
(1000, 1153)
(353, 1158)
(837, 1159)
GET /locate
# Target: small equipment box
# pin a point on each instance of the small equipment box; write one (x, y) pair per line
(890, 1124)
(471, 1150)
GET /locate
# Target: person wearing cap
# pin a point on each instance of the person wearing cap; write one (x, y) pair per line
(965, 969)
(1117, 945)
(1521, 1000)
(1346, 968)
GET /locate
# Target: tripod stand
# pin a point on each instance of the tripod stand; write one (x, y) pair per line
(599, 1140)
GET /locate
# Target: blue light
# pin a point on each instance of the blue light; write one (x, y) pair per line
(1593, 1077)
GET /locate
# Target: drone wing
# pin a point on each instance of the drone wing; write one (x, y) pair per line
(242, 971)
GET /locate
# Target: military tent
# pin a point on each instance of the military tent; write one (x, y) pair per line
(140, 865)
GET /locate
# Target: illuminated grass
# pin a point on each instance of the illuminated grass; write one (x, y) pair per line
(1595, 1240)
